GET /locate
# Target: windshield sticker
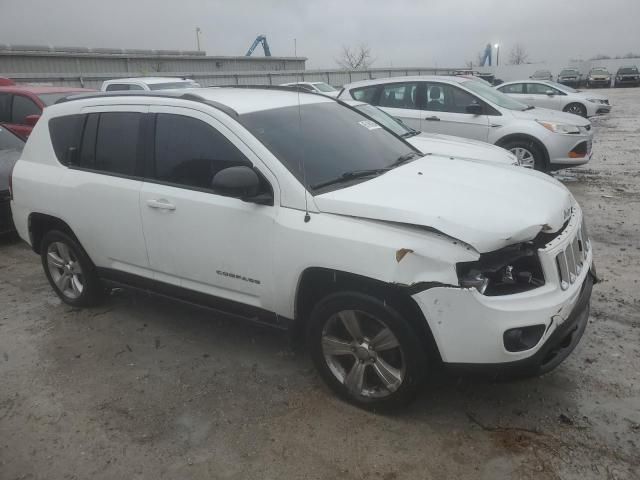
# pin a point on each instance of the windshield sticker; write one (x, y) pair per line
(369, 125)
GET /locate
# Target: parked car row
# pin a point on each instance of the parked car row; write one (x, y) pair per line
(596, 77)
(388, 251)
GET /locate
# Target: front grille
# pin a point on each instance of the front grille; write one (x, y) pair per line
(571, 260)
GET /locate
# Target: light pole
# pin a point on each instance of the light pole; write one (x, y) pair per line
(497, 45)
(198, 37)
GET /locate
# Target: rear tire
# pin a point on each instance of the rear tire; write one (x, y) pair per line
(366, 352)
(529, 154)
(69, 270)
(576, 109)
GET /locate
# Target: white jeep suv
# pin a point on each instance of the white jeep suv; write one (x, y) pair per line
(293, 210)
(540, 138)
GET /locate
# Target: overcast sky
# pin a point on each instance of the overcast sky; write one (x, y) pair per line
(399, 32)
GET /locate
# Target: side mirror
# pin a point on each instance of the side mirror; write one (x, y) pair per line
(551, 93)
(31, 120)
(474, 109)
(241, 182)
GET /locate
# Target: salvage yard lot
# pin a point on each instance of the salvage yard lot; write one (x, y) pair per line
(146, 388)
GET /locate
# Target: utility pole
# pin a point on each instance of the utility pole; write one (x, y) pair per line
(198, 38)
(497, 54)
(295, 47)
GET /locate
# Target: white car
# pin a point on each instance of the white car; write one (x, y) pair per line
(556, 96)
(542, 139)
(147, 84)
(436, 144)
(316, 87)
(388, 262)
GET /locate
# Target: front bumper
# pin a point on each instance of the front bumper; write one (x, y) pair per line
(468, 327)
(560, 148)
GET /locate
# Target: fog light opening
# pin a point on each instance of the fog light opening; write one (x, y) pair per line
(523, 338)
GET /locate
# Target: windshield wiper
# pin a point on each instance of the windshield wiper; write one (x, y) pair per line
(405, 158)
(411, 133)
(347, 176)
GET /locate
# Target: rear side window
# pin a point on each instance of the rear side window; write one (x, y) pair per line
(400, 95)
(364, 94)
(22, 108)
(190, 152)
(118, 142)
(114, 87)
(5, 107)
(66, 133)
(517, 88)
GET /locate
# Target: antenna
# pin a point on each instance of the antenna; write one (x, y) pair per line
(307, 217)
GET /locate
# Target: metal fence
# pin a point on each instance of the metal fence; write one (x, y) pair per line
(336, 77)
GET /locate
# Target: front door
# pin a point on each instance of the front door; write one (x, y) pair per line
(544, 96)
(196, 238)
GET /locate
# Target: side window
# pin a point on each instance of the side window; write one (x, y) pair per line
(541, 89)
(116, 87)
(442, 97)
(190, 152)
(22, 108)
(117, 143)
(5, 107)
(399, 95)
(364, 94)
(65, 135)
(517, 88)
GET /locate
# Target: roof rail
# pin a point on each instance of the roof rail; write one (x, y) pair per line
(157, 94)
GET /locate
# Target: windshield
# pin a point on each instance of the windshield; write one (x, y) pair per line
(173, 85)
(599, 71)
(492, 95)
(628, 70)
(542, 74)
(324, 87)
(51, 98)
(568, 72)
(385, 119)
(328, 138)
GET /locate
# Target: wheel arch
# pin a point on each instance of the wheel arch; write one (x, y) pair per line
(316, 283)
(501, 142)
(41, 223)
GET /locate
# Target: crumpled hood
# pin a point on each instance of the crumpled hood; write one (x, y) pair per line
(488, 206)
(546, 115)
(449, 146)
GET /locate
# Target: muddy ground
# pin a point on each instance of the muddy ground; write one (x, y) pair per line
(146, 388)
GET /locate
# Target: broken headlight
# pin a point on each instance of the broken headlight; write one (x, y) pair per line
(510, 270)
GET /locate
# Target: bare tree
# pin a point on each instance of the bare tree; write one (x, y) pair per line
(518, 55)
(355, 58)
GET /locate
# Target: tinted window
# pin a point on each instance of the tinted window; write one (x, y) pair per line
(364, 94)
(627, 70)
(65, 136)
(5, 107)
(122, 86)
(514, 88)
(399, 95)
(23, 107)
(190, 152)
(348, 141)
(117, 142)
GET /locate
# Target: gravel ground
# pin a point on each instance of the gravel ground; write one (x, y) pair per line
(146, 388)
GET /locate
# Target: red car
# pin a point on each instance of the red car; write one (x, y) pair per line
(21, 105)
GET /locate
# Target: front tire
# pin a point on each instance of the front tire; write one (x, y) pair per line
(366, 351)
(576, 109)
(529, 154)
(69, 270)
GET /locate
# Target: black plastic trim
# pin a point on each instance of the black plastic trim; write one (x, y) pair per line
(199, 299)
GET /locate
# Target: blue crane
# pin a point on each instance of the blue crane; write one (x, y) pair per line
(260, 39)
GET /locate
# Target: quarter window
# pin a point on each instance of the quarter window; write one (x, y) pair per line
(22, 108)
(190, 152)
(65, 135)
(114, 87)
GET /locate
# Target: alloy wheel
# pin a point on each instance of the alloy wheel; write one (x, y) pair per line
(65, 270)
(525, 157)
(576, 110)
(363, 354)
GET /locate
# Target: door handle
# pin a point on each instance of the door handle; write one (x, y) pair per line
(433, 119)
(161, 204)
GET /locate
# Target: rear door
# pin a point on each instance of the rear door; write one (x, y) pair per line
(400, 100)
(544, 96)
(102, 186)
(197, 238)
